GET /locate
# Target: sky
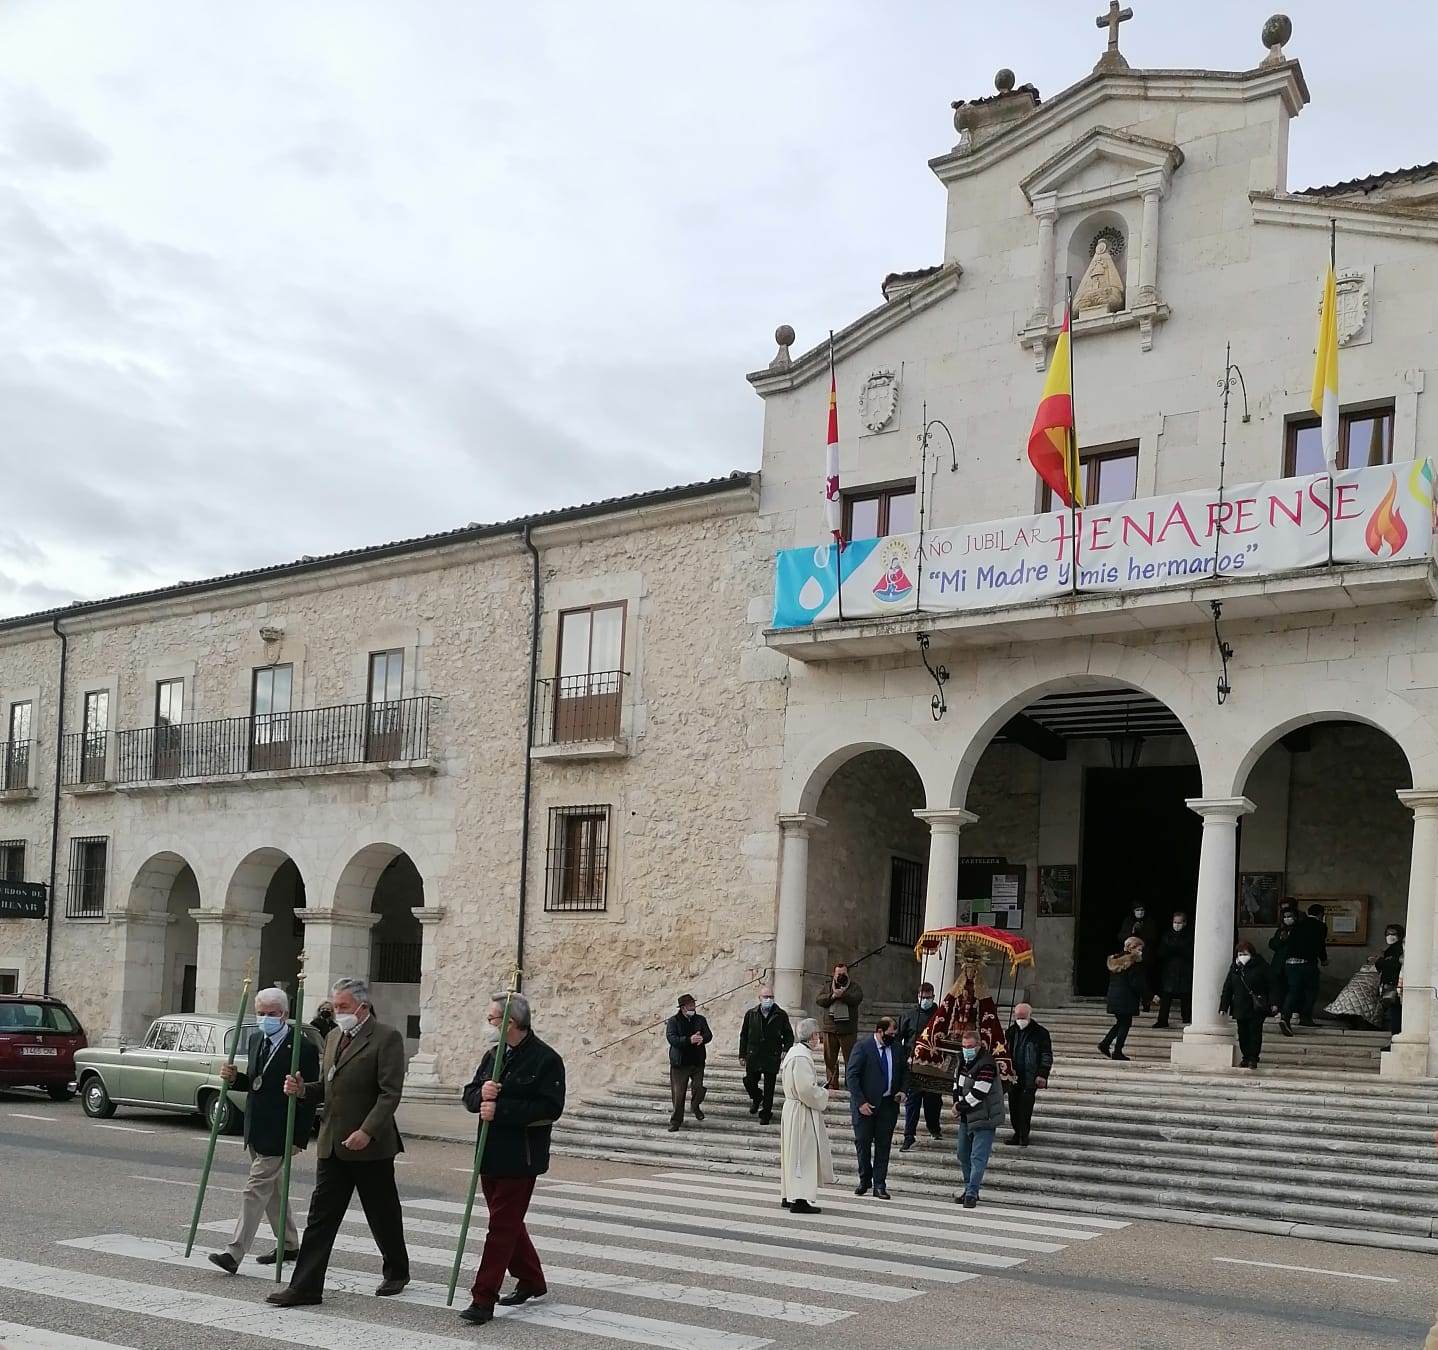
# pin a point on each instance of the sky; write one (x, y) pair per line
(289, 277)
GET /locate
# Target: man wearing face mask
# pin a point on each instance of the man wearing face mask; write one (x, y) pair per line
(687, 1033)
(1032, 1050)
(1246, 995)
(764, 1039)
(1296, 948)
(840, 1022)
(1390, 967)
(979, 1102)
(911, 1024)
(1175, 970)
(875, 1079)
(1143, 922)
(266, 1111)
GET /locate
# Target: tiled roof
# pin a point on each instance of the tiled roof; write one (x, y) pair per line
(463, 534)
(1372, 180)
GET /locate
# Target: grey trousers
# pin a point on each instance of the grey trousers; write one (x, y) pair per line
(261, 1199)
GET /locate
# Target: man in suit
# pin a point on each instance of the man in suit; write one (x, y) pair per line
(911, 1026)
(874, 1076)
(361, 1079)
(266, 1112)
(521, 1108)
(764, 1039)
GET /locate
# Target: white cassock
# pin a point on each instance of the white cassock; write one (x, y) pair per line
(805, 1162)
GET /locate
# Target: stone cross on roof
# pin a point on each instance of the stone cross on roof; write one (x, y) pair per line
(1112, 59)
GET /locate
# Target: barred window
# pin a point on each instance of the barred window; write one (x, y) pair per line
(85, 893)
(12, 860)
(906, 901)
(577, 865)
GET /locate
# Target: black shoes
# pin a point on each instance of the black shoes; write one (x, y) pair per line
(862, 1188)
(1119, 1055)
(1285, 1028)
(389, 1288)
(477, 1314)
(1103, 1049)
(766, 1118)
(804, 1207)
(270, 1257)
(673, 1127)
(753, 1108)
(521, 1295)
(967, 1201)
(880, 1193)
(936, 1134)
(1161, 1026)
(1013, 1139)
(785, 1203)
(906, 1145)
(226, 1262)
(698, 1114)
(292, 1298)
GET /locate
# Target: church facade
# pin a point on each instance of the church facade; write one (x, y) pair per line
(678, 741)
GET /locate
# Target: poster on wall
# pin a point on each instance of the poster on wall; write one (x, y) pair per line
(1345, 915)
(1258, 897)
(1056, 891)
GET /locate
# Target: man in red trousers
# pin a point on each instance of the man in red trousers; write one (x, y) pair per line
(521, 1108)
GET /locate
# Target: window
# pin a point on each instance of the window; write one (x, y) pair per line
(85, 896)
(577, 866)
(1365, 438)
(1107, 473)
(9, 980)
(270, 691)
(12, 860)
(17, 752)
(386, 677)
(384, 729)
(588, 692)
(195, 1039)
(163, 1036)
(906, 901)
(872, 515)
(96, 736)
(169, 717)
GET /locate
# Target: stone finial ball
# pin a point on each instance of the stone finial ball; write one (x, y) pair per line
(1277, 31)
(1004, 81)
(784, 335)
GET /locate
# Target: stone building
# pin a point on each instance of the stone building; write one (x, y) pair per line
(1191, 688)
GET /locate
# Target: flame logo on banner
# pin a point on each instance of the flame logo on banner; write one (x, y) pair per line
(1385, 525)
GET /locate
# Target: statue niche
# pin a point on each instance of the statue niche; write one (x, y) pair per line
(1102, 290)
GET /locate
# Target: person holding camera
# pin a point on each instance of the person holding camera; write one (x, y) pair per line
(840, 1023)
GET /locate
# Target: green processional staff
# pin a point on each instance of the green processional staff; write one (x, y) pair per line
(483, 1139)
(221, 1109)
(291, 1102)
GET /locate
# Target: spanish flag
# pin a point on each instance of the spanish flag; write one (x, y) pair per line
(833, 503)
(1325, 369)
(1053, 442)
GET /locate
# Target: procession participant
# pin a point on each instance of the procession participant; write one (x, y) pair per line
(266, 1115)
(521, 1108)
(805, 1159)
(360, 1084)
(979, 1102)
(324, 1019)
(912, 1025)
(1126, 985)
(1246, 995)
(1142, 921)
(840, 1023)
(1390, 969)
(874, 1076)
(687, 1033)
(1175, 970)
(1317, 922)
(1033, 1051)
(968, 1003)
(764, 1039)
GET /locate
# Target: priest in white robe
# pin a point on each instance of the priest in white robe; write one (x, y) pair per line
(805, 1161)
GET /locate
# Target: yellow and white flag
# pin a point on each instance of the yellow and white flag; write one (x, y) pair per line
(1325, 370)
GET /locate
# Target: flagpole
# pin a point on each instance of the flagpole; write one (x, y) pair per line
(291, 1103)
(923, 475)
(837, 545)
(1071, 435)
(220, 1109)
(1333, 467)
(483, 1139)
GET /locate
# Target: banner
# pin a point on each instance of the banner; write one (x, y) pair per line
(1382, 514)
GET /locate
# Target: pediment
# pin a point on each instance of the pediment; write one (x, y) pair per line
(1099, 159)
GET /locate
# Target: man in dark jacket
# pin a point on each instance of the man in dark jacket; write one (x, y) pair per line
(1032, 1050)
(874, 1074)
(839, 1021)
(911, 1024)
(266, 1112)
(521, 1108)
(1297, 946)
(1175, 970)
(1141, 921)
(687, 1033)
(764, 1039)
(979, 1102)
(1318, 921)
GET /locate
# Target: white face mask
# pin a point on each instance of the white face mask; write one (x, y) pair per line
(926, 1003)
(1138, 914)
(346, 1022)
(1390, 938)
(1242, 958)
(1178, 928)
(1022, 1022)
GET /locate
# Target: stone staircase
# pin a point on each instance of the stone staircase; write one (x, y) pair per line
(1314, 1144)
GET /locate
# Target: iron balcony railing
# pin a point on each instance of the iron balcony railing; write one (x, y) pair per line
(85, 758)
(315, 738)
(15, 769)
(575, 709)
(394, 962)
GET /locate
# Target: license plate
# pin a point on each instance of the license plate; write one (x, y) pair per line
(38, 1050)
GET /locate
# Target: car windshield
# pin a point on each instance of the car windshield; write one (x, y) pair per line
(37, 1017)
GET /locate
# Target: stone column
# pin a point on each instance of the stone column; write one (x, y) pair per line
(792, 926)
(1209, 1043)
(229, 940)
(1046, 212)
(1151, 185)
(1410, 1055)
(423, 1069)
(137, 940)
(336, 947)
(941, 898)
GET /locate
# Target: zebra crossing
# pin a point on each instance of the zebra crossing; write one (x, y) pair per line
(680, 1260)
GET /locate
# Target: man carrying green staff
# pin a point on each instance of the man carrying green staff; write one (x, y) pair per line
(263, 1079)
(520, 1107)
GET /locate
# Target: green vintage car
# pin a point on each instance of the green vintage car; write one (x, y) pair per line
(175, 1069)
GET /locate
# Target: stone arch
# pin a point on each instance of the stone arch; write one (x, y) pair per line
(1336, 701)
(355, 886)
(818, 759)
(154, 880)
(250, 878)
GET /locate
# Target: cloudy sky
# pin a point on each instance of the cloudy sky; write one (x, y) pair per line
(287, 277)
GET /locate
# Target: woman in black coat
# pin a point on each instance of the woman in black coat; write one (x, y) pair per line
(1247, 995)
(1142, 921)
(1390, 964)
(1127, 989)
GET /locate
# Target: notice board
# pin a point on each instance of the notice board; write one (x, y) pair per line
(991, 892)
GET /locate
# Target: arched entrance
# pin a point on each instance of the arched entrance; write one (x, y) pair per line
(282, 937)
(182, 943)
(155, 944)
(396, 945)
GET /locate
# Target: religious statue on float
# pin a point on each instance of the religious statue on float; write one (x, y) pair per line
(969, 1005)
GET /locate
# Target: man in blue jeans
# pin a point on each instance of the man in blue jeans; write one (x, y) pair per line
(979, 1100)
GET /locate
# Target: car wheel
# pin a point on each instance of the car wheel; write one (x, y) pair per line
(95, 1100)
(58, 1092)
(219, 1104)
